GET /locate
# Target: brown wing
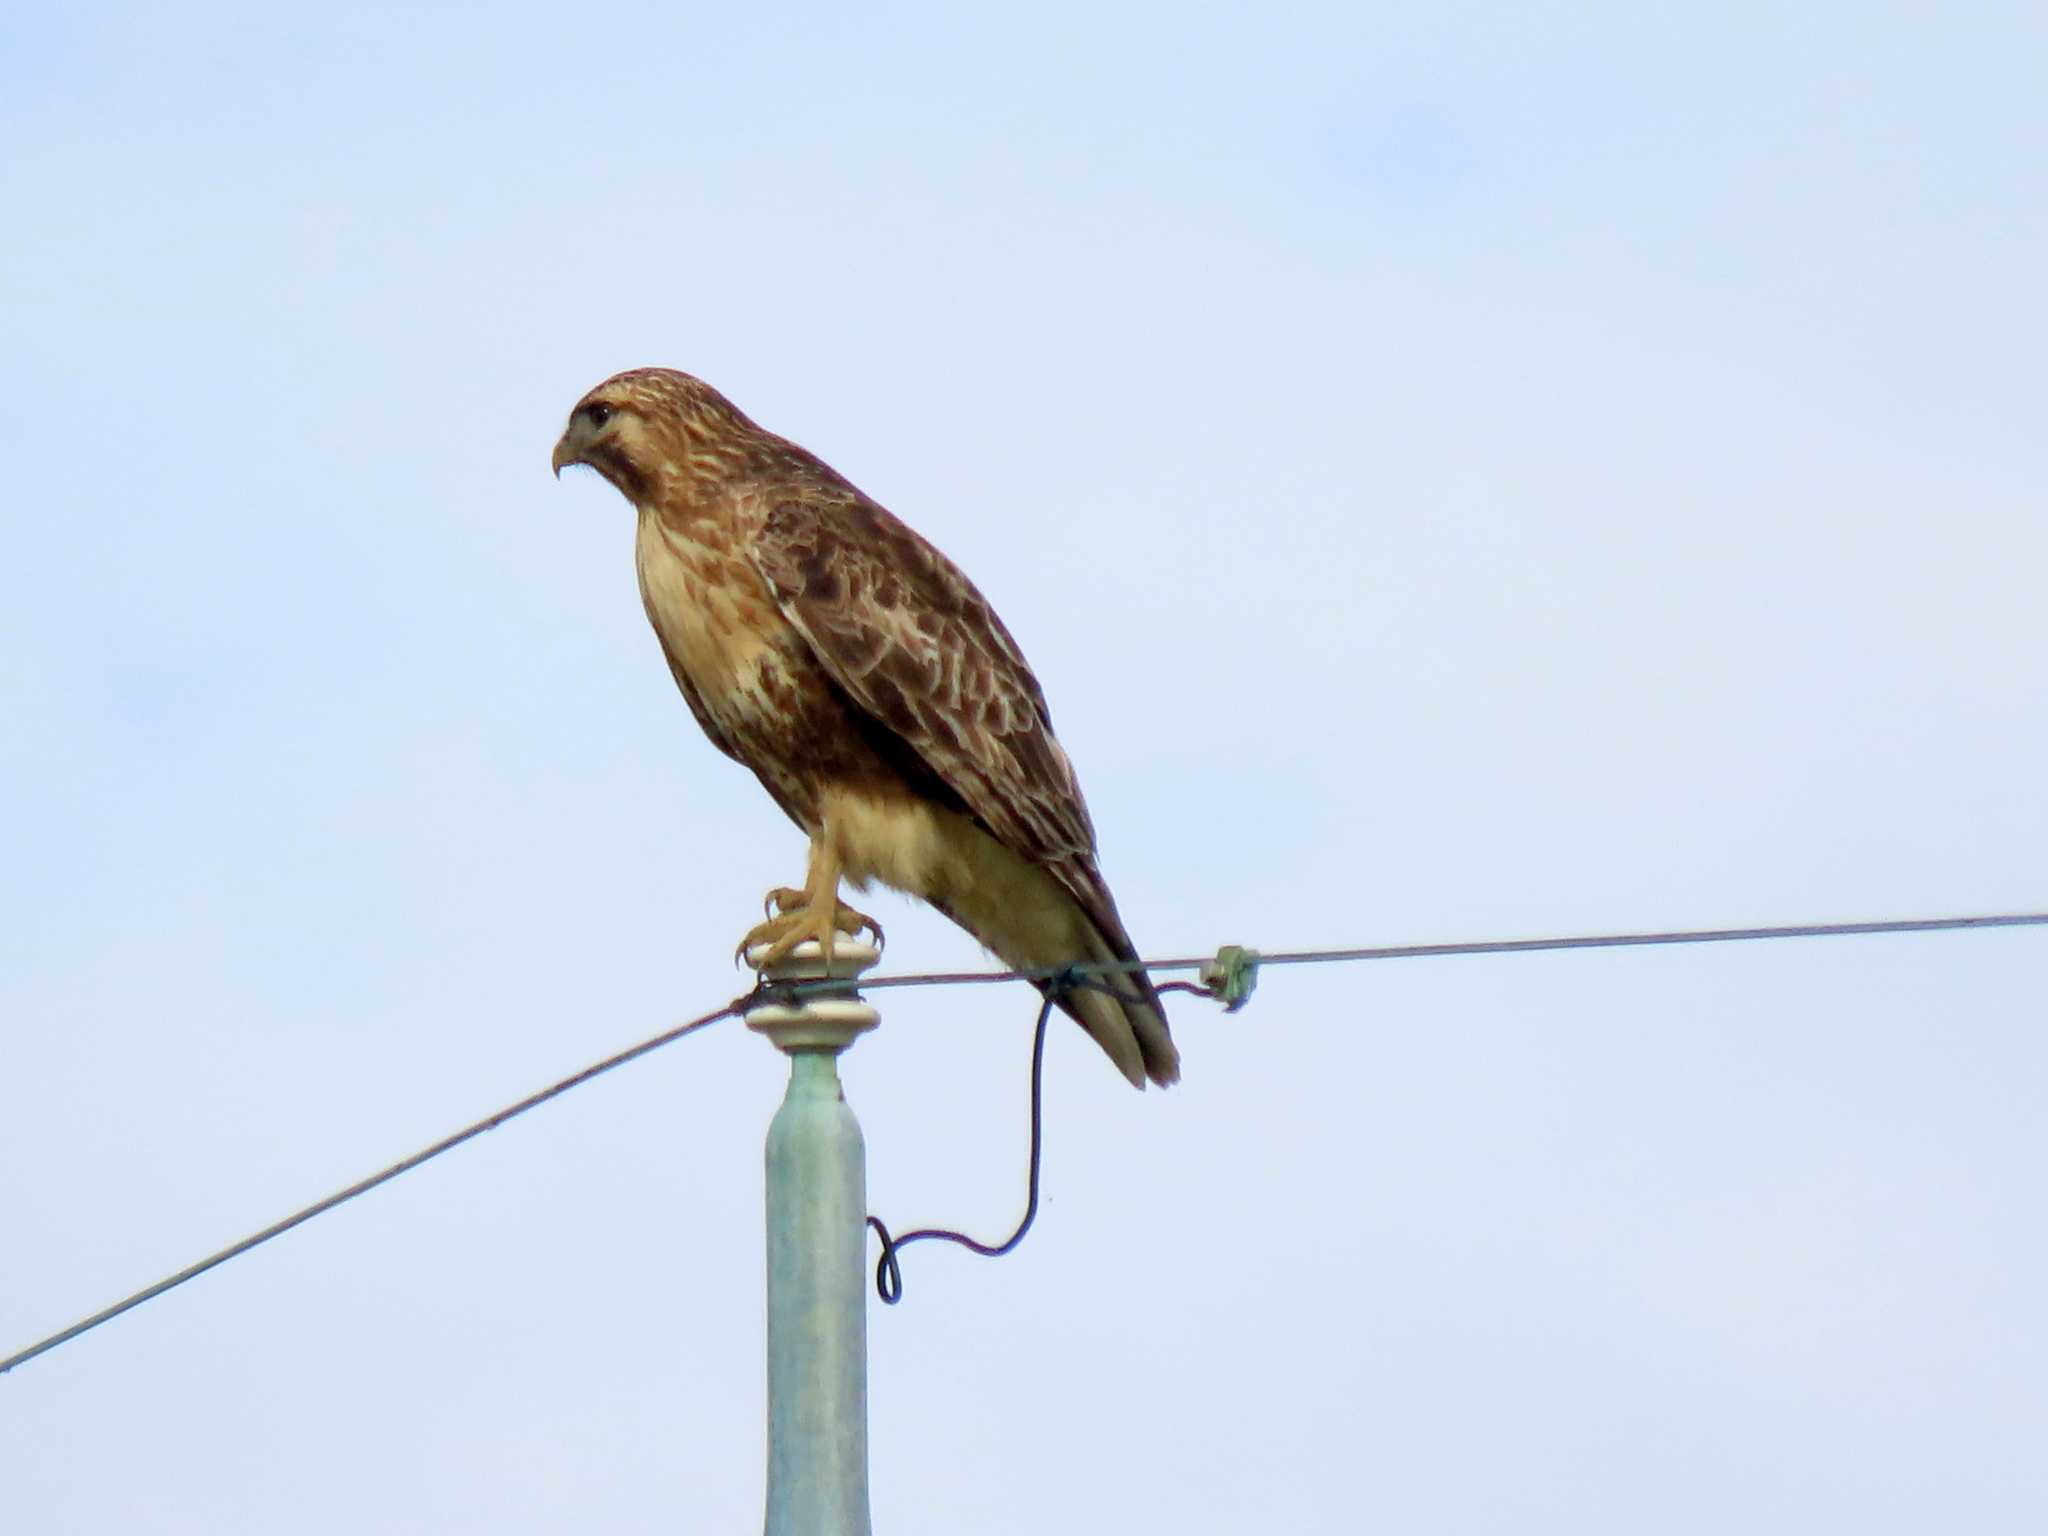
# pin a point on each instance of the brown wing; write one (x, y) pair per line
(906, 634)
(919, 650)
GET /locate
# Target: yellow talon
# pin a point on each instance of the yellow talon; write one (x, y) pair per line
(813, 913)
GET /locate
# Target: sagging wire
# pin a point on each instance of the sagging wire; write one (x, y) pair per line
(888, 1272)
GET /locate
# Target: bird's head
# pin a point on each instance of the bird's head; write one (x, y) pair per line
(612, 430)
(646, 428)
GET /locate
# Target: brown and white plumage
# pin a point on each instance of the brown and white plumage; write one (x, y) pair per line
(868, 685)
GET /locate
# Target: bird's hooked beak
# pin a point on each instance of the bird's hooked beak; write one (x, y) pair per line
(564, 455)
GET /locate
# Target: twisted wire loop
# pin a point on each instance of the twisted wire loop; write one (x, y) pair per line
(888, 1272)
(1075, 978)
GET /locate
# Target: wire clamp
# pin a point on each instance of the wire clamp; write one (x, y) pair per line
(1231, 976)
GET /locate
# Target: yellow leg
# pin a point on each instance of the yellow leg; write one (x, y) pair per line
(815, 912)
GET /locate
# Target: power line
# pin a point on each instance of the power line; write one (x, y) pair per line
(1225, 976)
(1479, 947)
(364, 1186)
(1680, 936)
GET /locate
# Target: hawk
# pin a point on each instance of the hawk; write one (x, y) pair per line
(872, 691)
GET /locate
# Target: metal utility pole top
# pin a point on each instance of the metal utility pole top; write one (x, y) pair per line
(817, 1259)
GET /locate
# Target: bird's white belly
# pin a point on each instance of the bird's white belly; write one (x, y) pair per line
(717, 622)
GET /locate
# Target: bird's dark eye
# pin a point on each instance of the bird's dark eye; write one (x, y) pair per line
(598, 414)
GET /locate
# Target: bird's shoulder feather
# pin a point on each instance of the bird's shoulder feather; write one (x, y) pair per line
(915, 645)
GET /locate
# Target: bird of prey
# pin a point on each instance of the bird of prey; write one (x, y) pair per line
(872, 691)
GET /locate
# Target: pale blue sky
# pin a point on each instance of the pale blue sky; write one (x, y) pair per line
(1473, 472)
